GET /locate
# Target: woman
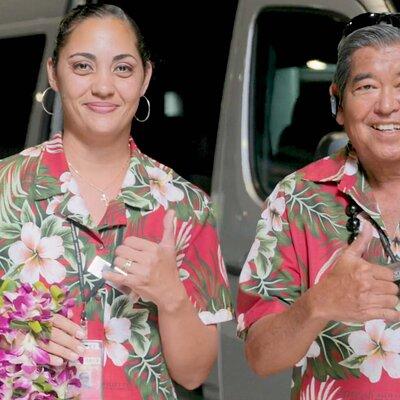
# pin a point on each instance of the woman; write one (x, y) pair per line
(307, 297)
(89, 198)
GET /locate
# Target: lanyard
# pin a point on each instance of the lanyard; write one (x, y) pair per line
(100, 282)
(352, 212)
(385, 242)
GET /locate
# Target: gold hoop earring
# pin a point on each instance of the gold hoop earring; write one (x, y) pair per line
(148, 111)
(42, 101)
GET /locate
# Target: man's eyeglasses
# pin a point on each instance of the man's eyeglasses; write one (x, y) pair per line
(369, 19)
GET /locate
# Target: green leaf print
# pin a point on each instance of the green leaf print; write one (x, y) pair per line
(354, 361)
(137, 201)
(52, 226)
(27, 214)
(10, 231)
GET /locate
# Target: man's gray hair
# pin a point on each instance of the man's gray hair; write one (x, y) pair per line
(377, 36)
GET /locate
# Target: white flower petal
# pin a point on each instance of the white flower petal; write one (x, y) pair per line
(314, 351)
(276, 223)
(361, 343)
(19, 253)
(51, 207)
(118, 330)
(29, 273)
(209, 318)
(390, 340)
(172, 193)
(157, 174)
(372, 367)
(351, 166)
(375, 329)
(245, 274)
(118, 353)
(129, 179)
(52, 270)
(107, 313)
(30, 235)
(51, 247)
(76, 205)
(279, 205)
(391, 363)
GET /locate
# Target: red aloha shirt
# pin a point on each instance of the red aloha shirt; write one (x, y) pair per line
(299, 236)
(39, 200)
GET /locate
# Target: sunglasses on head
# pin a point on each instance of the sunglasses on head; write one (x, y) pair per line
(369, 19)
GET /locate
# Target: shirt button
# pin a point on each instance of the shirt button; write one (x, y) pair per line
(101, 247)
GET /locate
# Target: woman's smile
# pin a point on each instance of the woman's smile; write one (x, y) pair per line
(101, 107)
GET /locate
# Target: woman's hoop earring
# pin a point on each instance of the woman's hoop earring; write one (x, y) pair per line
(148, 111)
(42, 101)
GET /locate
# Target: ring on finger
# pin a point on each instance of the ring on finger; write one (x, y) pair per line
(127, 265)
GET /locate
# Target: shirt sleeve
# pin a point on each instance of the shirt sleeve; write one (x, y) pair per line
(202, 269)
(270, 280)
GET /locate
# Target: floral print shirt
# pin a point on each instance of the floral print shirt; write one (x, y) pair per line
(299, 236)
(39, 200)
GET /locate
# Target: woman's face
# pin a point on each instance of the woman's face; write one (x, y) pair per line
(371, 105)
(100, 77)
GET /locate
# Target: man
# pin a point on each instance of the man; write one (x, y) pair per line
(307, 298)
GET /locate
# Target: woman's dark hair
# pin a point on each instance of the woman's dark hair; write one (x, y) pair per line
(81, 13)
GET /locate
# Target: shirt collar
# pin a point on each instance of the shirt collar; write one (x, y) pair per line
(344, 169)
(54, 182)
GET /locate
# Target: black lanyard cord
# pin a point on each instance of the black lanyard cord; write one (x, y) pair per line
(353, 225)
(78, 254)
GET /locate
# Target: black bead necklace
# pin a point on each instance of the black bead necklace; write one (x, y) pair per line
(353, 223)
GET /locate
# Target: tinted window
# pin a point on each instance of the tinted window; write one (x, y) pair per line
(295, 56)
(19, 69)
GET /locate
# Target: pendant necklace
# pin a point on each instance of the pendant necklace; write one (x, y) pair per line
(103, 192)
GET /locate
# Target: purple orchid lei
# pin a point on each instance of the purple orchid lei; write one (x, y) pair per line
(25, 373)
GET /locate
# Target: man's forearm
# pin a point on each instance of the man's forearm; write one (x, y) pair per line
(277, 342)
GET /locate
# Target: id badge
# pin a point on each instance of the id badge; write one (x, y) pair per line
(90, 372)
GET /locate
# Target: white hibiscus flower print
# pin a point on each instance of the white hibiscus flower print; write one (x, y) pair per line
(351, 166)
(313, 352)
(76, 205)
(51, 207)
(240, 323)
(209, 317)
(129, 180)
(273, 214)
(161, 187)
(117, 331)
(245, 274)
(38, 255)
(68, 183)
(32, 151)
(379, 349)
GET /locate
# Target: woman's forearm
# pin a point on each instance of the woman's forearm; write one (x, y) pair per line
(189, 346)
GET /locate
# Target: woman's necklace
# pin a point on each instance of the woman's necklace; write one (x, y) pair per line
(103, 192)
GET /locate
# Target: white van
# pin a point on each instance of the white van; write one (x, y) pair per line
(274, 111)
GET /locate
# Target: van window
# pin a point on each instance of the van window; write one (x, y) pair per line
(293, 65)
(19, 69)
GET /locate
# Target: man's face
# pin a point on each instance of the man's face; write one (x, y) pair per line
(370, 109)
